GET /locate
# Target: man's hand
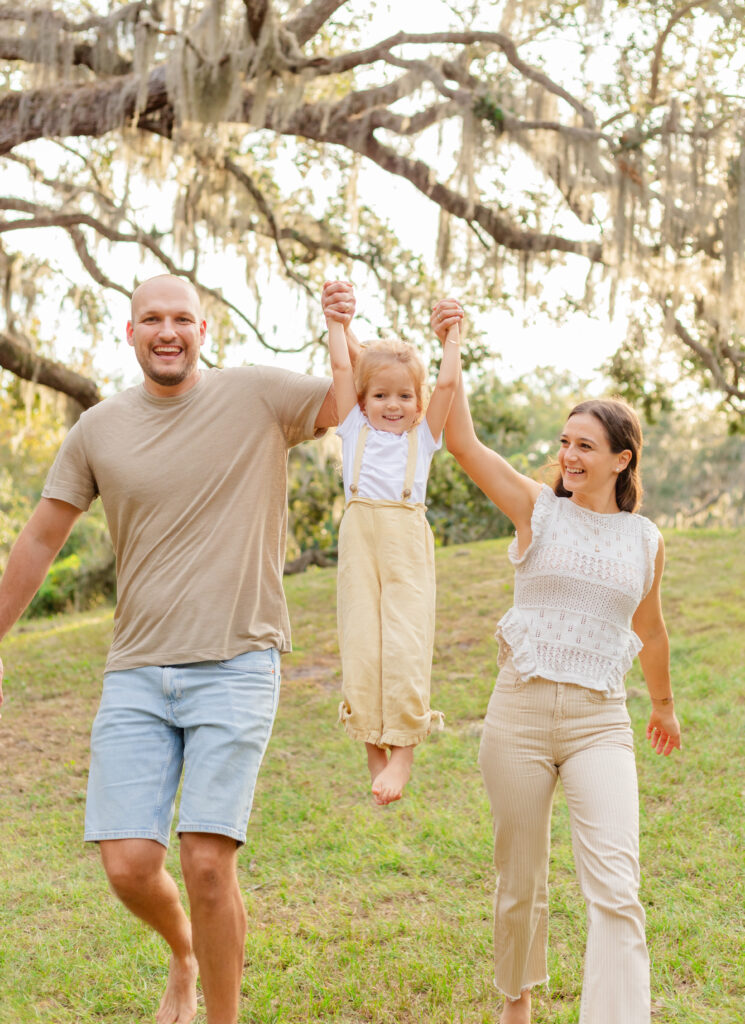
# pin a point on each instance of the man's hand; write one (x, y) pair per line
(338, 301)
(445, 314)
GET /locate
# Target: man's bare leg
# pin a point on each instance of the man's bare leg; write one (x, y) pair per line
(517, 1011)
(137, 874)
(389, 785)
(218, 920)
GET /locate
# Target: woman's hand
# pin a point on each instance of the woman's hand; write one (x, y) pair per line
(445, 314)
(663, 730)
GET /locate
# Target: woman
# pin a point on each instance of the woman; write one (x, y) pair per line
(587, 600)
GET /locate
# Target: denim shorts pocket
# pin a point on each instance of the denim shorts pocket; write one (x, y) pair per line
(252, 661)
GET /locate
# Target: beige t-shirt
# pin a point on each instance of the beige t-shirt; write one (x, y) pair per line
(195, 493)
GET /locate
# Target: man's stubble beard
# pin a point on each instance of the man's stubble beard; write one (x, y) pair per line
(172, 379)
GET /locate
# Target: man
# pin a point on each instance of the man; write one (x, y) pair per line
(191, 469)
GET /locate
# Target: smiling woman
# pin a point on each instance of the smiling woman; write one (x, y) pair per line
(587, 600)
(166, 332)
(601, 438)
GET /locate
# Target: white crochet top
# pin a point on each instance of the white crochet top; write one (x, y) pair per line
(577, 586)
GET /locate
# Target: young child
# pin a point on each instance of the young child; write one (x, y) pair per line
(386, 580)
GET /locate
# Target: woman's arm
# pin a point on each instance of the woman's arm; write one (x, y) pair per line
(513, 493)
(663, 728)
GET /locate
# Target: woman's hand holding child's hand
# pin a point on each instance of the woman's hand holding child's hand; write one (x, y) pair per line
(446, 314)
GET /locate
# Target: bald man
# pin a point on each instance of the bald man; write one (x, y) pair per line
(190, 466)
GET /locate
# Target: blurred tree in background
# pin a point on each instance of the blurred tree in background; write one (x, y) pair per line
(270, 137)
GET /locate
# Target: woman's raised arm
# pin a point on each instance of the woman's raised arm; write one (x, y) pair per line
(512, 492)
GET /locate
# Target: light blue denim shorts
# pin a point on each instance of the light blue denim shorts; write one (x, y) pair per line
(213, 719)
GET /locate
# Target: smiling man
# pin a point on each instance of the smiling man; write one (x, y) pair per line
(166, 332)
(191, 468)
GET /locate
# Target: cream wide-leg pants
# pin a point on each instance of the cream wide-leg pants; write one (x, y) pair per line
(386, 619)
(534, 733)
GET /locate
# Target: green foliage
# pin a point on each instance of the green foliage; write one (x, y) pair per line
(315, 499)
(521, 420)
(693, 469)
(35, 421)
(57, 592)
(33, 425)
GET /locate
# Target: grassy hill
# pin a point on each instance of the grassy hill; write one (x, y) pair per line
(362, 914)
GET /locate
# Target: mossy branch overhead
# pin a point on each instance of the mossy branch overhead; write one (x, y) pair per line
(536, 140)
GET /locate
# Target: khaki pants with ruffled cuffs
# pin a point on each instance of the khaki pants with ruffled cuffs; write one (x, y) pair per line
(536, 732)
(386, 618)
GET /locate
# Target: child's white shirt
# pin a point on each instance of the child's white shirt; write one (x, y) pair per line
(384, 459)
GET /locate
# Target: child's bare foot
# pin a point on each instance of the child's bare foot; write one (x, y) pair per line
(179, 1002)
(377, 760)
(389, 784)
(517, 1012)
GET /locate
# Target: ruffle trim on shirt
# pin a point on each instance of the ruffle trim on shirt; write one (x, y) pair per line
(543, 510)
(516, 644)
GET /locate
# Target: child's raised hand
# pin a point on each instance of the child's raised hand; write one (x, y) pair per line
(338, 302)
(446, 313)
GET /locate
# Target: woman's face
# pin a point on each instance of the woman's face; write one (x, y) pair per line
(589, 469)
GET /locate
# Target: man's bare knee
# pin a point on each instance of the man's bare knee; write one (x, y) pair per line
(209, 864)
(131, 865)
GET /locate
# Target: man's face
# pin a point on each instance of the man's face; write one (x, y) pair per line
(166, 332)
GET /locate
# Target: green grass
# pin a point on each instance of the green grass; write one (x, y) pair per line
(361, 914)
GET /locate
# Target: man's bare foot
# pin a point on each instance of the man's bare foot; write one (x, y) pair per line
(517, 1012)
(377, 759)
(389, 784)
(179, 1002)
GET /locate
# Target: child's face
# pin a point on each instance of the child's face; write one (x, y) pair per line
(390, 402)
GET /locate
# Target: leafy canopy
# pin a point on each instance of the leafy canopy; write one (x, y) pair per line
(607, 136)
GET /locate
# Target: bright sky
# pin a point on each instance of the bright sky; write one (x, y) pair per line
(580, 345)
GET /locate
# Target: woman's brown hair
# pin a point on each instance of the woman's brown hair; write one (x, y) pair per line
(624, 433)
